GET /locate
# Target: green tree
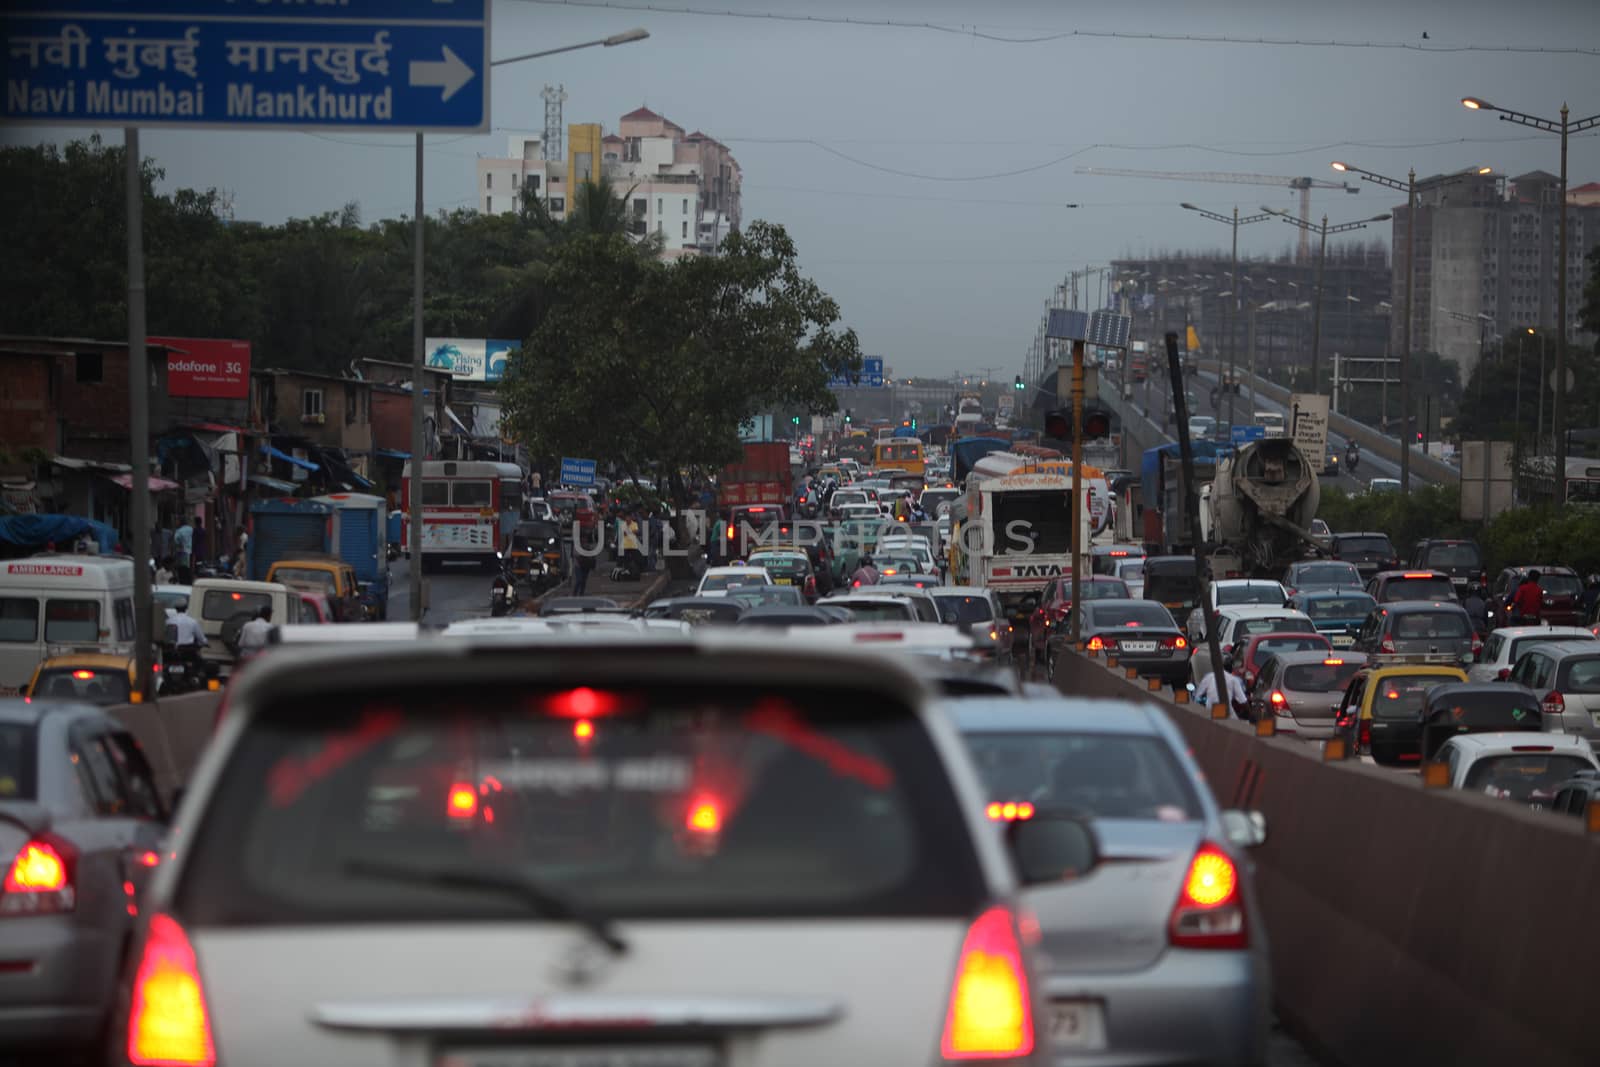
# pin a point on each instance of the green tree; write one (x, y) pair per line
(1501, 399)
(652, 365)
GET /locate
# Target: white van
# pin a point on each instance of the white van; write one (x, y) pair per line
(55, 603)
(1272, 421)
(215, 602)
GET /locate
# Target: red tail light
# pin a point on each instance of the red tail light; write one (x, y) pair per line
(1364, 736)
(1210, 911)
(1279, 702)
(991, 1012)
(705, 816)
(167, 1020)
(1554, 703)
(731, 531)
(1502, 674)
(811, 585)
(462, 801)
(1095, 644)
(1386, 645)
(1477, 647)
(40, 878)
(1174, 642)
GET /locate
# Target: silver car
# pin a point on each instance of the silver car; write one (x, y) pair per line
(718, 851)
(1158, 955)
(1302, 691)
(81, 828)
(1566, 677)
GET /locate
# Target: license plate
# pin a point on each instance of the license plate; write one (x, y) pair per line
(1138, 646)
(784, 581)
(1079, 1025)
(1341, 640)
(585, 1056)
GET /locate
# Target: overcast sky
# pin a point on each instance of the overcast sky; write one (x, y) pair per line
(949, 268)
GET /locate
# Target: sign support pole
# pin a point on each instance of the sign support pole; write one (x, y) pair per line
(418, 399)
(138, 420)
(1077, 491)
(1191, 506)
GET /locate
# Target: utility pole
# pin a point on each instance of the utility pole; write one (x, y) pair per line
(138, 422)
(1228, 312)
(1191, 506)
(1077, 491)
(418, 397)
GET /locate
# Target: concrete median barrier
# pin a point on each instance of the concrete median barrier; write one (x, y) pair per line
(173, 732)
(1407, 925)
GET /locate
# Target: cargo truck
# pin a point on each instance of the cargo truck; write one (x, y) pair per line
(359, 532)
(287, 528)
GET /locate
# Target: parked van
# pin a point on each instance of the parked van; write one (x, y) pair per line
(56, 603)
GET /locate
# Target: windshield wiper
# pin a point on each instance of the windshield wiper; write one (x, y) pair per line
(546, 900)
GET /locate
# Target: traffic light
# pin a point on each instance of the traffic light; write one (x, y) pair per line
(1058, 423)
(846, 414)
(795, 420)
(913, 422)
(1096, 423)
(1017, 385)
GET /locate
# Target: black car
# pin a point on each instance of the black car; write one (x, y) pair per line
(1389, 587)
(1474, 707)
(1574, 795)
(697, 610)
(577, 605)
(1459, 559)
(782, 616)
(1430, 631)
(1139, 633)
(1371, 552)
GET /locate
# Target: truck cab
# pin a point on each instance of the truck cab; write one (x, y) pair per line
(327, 575)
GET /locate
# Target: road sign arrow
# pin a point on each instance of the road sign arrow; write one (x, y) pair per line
(450, 74)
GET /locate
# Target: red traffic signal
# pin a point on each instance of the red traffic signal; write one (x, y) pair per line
(1096, 423)
(1058, 423)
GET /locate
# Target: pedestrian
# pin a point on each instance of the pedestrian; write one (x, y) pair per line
(200, 544)
(1476, 608)
(1527, 603)
(161, 542)
(1205, 694)
(182, 545)
(163, 575)
(1590, 598)
(241, 543)
(582, 564)
(253, 635)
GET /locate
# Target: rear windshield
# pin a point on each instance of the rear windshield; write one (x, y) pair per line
(1583, 676)
(1130, 569)
(305, 578)
(94, 685)
(1248, 594)
(1510, 708)
(1289, 644)
(697, 614)
(1319, 677)
(1245, 629)
(221, 605)
(1132, 612)
(1462, 555)
(960, 609)
(1400, 696)
(1520, 775)
(1560, 585)
(1522, 644)
(733, 581)
(787, 566)
(1418, 589)
(18, 761)
(1178, 588)
(1355, 606)
(72, 621)
(767, 594)
(1379, 545)
(880, 609)
(675, 802)
(1415, 625)
(1106, 776)
(1323, 574)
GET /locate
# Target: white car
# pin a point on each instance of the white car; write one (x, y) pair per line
(718, 580)
(1131, 571)
(1503, 647)
(1236, 625)
(864, 512)
(1234, 592)
(921, 601)
(1525, 767)
(917, 548)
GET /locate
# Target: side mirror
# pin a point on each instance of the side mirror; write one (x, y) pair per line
(1244, 829)
(1052, 847)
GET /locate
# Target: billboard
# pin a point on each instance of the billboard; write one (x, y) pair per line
(207, 367)
(472, 358)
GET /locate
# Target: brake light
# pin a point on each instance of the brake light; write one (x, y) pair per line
(1278, 701)
(731, 531)
(1502, 674)
(581, 703)
(583, 729)
(1386, 645)
(705, 816)
(462, 801)
(1554, 703)
(1533, 748)
(894, 635)
(990, 1014)
(83, 676)
(167, 1019)
(1009, 811)
(1333, 663)
(1209, 912)
(1095, 644)
(1419, 574)
(39, 879)
(1174, 642)
(1364, 735)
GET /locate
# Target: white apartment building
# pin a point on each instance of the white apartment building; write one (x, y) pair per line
(684, 187)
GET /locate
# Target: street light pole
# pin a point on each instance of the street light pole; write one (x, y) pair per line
(1565, 127)
(1228, 312)
(1410, 187)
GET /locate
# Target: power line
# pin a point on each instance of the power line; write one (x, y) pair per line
(1043, 36)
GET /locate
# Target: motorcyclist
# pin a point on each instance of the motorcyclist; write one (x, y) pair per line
(1476, 605)
(1352, 456)
(1527, 603)
(188, 639)
(865, 573)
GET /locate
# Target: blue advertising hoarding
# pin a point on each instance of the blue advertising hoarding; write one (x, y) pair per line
(475, 359)
(1243, 434)
(577, 472)
(357, 64)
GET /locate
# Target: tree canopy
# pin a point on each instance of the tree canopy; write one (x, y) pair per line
(655, 365)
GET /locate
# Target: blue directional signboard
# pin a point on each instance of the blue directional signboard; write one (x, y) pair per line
(577, 472)
(871, 375)
(408, 65)
(1244, 434)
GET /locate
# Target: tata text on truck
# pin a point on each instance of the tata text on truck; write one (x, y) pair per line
(1013, 534)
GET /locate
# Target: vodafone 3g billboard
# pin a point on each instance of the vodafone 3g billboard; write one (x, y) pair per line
(207, 367)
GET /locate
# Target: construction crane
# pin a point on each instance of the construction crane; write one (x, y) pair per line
(1305, 185)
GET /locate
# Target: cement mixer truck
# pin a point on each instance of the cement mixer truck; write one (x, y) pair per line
(1260, 508)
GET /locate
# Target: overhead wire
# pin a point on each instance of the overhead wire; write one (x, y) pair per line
(984, 32)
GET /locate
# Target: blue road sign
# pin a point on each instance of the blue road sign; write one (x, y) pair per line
(358, 64)
(871, 375)
(579, 472)
(1243, 434)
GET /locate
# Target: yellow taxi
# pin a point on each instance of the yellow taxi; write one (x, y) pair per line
(328, 575)
(102, 678)
(1381, 713)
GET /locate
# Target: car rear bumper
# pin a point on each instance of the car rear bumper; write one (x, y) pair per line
(1307, 729)
(1193, 1006)
(54, 975)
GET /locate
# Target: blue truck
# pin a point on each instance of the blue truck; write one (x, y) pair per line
(359, 535)
(287, 528)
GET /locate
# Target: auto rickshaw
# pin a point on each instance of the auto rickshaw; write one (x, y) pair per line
(535, 552)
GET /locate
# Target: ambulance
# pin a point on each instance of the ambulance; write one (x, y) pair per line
(56, 604)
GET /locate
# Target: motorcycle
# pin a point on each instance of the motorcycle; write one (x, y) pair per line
(1352, 460)
(502, 596)
(185, 670)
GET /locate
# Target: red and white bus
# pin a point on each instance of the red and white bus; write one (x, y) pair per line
(469, 509)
